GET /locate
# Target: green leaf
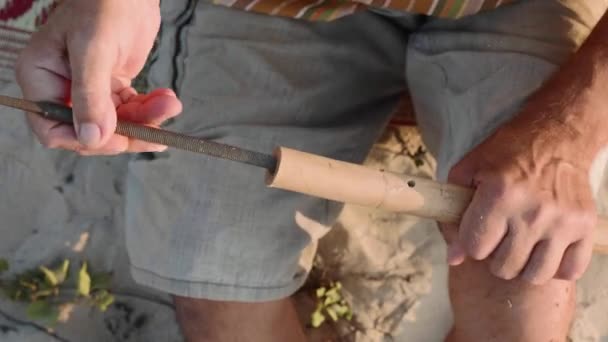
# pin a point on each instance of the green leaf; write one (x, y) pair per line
(332, 296)
(42, 293)
(3, 265)
(101, 281)
(332, 313)
(61, 272)
(316, 319)
(42, 311)
(103, 299)
(84, 281)
(321, 292)
(340, 309)
(49, 276)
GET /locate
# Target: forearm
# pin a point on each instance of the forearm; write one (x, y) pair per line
(572, 106)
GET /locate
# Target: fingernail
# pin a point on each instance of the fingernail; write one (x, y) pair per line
(455, 254)
(89, 134)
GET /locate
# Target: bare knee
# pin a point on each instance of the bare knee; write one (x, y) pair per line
(206, 320)
(490, 309)
(196, 317)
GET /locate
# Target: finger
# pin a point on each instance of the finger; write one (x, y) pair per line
(138, 98)
(120, 144)
(544, 262)
(43, 74)
(127, 94)
(576, 260)
(91, 65)
(129, 97)
(162, 91)
(53, 134)
(455, 253)
(154, 110)
(142, 146)
(512, 253)
(482, 227)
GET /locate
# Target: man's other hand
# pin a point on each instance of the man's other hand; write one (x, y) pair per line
(86, 56)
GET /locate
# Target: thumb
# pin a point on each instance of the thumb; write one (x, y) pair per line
(91, 66)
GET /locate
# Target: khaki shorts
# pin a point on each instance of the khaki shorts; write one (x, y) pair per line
(208, 228)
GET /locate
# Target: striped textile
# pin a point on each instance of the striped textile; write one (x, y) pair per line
(327, 10)
(18, 19)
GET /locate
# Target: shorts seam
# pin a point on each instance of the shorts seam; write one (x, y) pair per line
(214, 291)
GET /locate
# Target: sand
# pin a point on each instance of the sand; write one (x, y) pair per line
(57, 204)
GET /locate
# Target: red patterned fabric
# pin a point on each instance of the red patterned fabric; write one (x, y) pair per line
(18, 19)
(15, 9)
(25, 15)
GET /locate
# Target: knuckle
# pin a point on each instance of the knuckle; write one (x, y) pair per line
(573, 225)
(475, 249)
(500, 270)
(538, 280)
(474, 241)
(532, 278)
(501, 194)
(503, 273)
(540, 214)
(560, 230)
(514, 194)
(537, 275)
(497, 188)
(571, 274)
(577, 270)
(587, 220)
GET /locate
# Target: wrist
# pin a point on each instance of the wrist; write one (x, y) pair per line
(570, 111)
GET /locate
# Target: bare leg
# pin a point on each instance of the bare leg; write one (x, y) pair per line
(490, 309)
(212, 321)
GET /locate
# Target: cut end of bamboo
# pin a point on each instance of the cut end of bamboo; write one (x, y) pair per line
(271, 175)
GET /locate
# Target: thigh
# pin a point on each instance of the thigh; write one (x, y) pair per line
(466, 78)
(208, 228)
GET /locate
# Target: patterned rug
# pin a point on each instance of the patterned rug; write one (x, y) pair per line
(18, 19)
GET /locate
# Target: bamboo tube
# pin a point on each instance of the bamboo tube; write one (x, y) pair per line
(355, 184)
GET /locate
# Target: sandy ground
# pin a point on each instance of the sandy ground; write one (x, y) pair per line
(57, 204)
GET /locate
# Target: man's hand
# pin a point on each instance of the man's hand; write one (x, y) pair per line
(532, 213)
(86, 56)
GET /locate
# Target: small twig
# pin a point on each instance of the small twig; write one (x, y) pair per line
(32, 325)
